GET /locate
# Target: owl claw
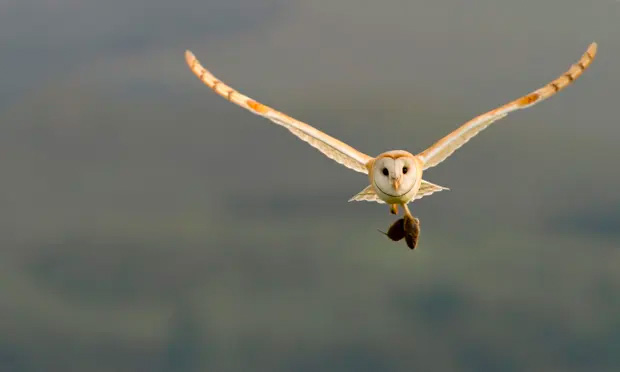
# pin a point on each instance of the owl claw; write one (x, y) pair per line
(394, 208)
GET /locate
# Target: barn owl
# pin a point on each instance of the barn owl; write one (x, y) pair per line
(395, 177)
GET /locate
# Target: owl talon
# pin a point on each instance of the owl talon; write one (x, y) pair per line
(394, 208)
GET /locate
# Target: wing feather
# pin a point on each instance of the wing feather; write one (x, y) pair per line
(450, 143)
(369, 194)
(330, 146)
(428, 188)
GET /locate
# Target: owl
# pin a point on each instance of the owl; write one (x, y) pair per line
(395, 177)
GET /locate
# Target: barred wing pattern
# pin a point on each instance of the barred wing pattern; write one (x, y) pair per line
(450, 143)
(331, 147)
(427, 188)
(368, 194)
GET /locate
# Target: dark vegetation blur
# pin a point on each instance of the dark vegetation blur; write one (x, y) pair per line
(149, 225)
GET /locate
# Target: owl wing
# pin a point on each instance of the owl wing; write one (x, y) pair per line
(450, 143)
(427, 188)
(331, 147)
(369, 194)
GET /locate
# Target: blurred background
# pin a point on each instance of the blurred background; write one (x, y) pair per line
(149, 225)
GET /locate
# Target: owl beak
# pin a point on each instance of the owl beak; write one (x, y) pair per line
(396, 183)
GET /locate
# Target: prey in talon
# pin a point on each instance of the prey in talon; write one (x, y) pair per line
(407, 228)
(394, 177)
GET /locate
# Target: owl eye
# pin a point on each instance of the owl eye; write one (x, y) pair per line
(405, 169)
(385, 172)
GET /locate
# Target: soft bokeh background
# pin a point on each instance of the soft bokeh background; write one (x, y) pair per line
(149, 225)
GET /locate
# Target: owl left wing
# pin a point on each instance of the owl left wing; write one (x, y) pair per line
(450, 143)
(331, 147)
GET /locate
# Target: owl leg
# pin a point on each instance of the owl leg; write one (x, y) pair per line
(394, 208)
(407, 212)
(411, 227)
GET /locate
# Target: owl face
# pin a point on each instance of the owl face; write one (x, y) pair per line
(395, 177)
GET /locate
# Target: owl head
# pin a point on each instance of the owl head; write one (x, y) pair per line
(395, 175)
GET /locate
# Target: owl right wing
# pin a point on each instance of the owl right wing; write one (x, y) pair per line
(331, 147)
(450, 143)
